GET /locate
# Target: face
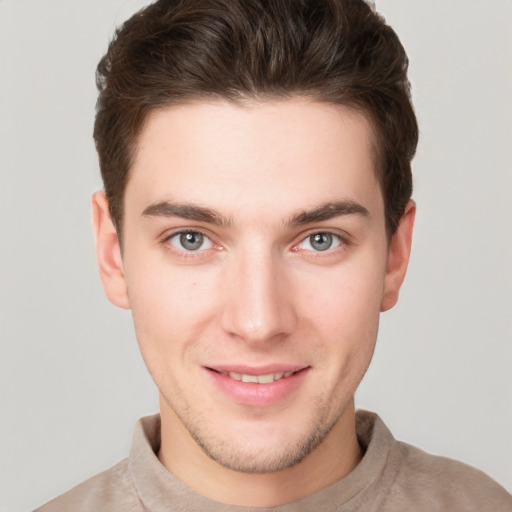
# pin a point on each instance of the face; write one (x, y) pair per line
(255, 263)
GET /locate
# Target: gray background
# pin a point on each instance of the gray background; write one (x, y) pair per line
(72, 380)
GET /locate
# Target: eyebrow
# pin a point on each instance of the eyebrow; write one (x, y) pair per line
(320, 213)
(185, 211)
(328, 211)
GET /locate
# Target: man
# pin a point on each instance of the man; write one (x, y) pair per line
(256, 220)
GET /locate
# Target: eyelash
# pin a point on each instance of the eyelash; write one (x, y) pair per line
(344, 242)
(184, 253)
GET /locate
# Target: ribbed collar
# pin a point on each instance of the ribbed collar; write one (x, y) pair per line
(160, 491)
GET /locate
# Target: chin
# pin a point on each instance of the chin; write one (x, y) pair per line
(263, 450)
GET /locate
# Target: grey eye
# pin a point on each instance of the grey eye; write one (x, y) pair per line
(190, 241)
(321, 241)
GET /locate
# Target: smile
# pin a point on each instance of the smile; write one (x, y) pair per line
(258, 379)
(258, 387)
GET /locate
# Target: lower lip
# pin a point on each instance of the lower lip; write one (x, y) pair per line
(258, 395)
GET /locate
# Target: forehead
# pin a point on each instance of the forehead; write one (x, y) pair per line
(265, 155)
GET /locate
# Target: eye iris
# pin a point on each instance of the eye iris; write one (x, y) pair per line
(191, 241)
(321, 241)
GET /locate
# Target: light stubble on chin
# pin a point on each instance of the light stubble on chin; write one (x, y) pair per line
(228, 453)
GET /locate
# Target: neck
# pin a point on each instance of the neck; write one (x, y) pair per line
(337, 455)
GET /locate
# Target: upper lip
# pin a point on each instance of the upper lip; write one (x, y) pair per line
(257, 370)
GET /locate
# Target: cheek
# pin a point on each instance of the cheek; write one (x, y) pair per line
(344, 307)
(170, 309)
(345, 298)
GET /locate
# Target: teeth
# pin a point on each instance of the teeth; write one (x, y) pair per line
(250, 378)
(266, 379)
(259, 379)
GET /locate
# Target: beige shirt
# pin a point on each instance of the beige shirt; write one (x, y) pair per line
(391, 477)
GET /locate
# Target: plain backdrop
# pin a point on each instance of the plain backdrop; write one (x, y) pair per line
(72, 380)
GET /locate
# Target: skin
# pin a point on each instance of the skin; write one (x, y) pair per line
(257, 181)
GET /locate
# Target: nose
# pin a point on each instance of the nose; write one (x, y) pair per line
(259, 304)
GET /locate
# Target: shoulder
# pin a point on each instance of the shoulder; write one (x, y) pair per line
(406, 478)
(111, 491)
(444, 484)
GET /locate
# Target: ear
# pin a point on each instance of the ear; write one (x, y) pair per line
(399, 251)
(108, 252)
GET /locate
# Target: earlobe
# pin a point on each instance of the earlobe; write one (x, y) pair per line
(108, 252)
(398, 257)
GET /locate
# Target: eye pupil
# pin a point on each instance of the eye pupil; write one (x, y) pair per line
(191, 241)
(321, 241)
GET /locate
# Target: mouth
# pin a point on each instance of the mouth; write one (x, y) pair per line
(259, 387)
(266, 378)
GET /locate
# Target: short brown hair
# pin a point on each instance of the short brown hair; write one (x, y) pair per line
(337, 51)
